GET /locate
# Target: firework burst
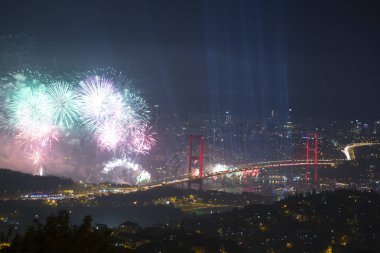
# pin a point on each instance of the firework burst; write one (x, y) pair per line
(39, 111)
(62, 101)
(143, 177)
(124, 170)
(103, 111)
(114, 117)
(143, 140)
(31, 114)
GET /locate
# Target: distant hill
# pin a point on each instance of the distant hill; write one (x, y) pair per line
(15, 183)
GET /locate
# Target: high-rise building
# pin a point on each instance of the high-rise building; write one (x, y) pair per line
(376, 127)
(290, 117)
(156, 116)
(273, 120)
(365, 129)
(273, 115)
(228, 118)
(356, 127)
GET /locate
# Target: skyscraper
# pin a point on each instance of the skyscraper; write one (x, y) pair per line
(156, 116)
(228, 119)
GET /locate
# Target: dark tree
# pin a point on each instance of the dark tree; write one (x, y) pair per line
(58, 236)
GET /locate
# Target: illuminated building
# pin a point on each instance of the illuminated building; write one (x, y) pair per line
(228, 119)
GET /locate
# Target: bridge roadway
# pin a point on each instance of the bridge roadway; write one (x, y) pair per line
(240, 168)
(349, 149)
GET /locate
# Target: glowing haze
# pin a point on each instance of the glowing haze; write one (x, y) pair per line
(42, 119)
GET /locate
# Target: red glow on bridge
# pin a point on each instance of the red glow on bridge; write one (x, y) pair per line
(311, 149)
(194, 158)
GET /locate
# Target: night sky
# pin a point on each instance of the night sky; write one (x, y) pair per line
(248, 57)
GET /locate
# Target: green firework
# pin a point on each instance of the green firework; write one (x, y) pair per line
(62, 99)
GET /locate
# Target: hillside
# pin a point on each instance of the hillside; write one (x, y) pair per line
(340, 221)
(15, 183)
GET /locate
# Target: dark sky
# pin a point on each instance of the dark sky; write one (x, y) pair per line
(319, 57)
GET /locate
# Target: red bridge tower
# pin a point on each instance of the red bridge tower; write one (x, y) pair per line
(311, 150)
(193, 159)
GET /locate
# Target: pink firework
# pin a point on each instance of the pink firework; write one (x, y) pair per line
(194, 173)
(251, 173)
(99, 101)
(143, 140)
(109, 134)
(36, 156)
(112, 118)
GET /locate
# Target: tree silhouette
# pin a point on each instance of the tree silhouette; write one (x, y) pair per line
(58, 236)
